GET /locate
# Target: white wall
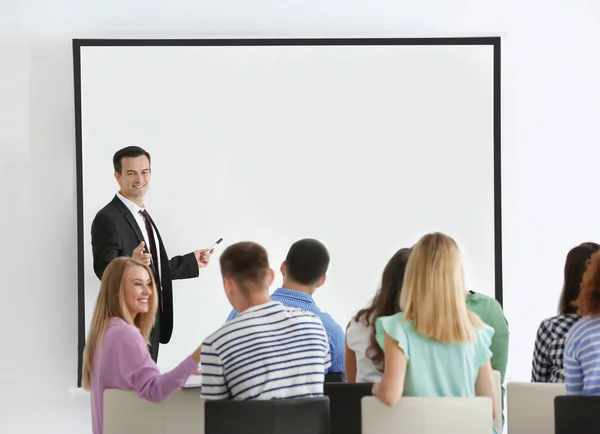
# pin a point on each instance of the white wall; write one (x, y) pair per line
(551, 85)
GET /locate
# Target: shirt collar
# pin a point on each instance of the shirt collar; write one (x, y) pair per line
(132, 206)
(291, 293)
(260, 306)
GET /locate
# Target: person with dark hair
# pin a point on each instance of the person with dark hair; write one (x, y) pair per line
(269, 351)
(364, 357)
(582, 345)
(304, 270)
(547, 364)
(124, 228)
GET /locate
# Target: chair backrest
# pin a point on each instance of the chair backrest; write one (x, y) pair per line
(577, 414)
(498, 389)
(280, 416)
(126, 413)
(428, 416)
(345, 412)
(334, 377)
(530, 406)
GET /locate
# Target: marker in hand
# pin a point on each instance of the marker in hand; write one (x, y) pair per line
(214, 245)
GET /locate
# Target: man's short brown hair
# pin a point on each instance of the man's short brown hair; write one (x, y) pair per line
(247, 263)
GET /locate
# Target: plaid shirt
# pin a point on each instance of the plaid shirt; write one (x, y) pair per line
(547, 366)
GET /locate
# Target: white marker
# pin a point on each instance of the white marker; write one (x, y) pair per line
(215, 244)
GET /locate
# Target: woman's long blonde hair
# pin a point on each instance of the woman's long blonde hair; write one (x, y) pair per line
(111, 303)
(433, 293)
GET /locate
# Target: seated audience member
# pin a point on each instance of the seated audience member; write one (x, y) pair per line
(364, 356)
(547, 364)
(582, 345)
(304, 270)
(116, 353)
(269, 351)
(491, 313)
(434, 347)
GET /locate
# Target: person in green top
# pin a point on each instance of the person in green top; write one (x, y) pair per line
(435, 346)
(491, 313)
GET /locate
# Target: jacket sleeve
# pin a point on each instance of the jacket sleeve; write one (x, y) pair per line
(106, 242)
(184, 267)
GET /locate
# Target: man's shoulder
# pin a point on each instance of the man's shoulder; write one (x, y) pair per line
(486, 307)
(108, 211)
(297, 312)
(330, 323)
(479, 298)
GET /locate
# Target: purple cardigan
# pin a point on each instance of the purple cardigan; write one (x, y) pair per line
(122, 361)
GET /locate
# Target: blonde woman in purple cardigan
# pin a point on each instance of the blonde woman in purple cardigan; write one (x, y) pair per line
(116, 354)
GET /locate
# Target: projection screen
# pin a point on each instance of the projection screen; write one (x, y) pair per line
(364, 144)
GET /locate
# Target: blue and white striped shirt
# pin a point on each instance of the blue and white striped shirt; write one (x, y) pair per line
(582, 357)
(335, 333)
(268, 352)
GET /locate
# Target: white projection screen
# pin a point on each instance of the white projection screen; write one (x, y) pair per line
(364, 144)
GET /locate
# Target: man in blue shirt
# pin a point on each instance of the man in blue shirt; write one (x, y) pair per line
(304, 270)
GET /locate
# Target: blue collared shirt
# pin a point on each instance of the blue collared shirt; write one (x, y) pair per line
(335, 333)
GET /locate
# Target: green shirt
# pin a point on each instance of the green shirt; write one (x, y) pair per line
(491, 313)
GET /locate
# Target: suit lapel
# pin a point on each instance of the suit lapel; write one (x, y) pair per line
(130, 219)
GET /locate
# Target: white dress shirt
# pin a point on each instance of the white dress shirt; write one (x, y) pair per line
(135, 210)
(358, 339)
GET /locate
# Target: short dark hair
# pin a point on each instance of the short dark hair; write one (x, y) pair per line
(246, 263)
(307, 261)
(575, 266)
(128, 152)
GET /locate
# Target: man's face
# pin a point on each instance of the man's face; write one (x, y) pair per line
(134, 178)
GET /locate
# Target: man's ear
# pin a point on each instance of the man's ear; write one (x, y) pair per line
(229, 285)
(322, 280)
(271, 277)
(283, 268)
(118, 177)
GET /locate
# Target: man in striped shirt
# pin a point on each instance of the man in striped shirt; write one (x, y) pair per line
(269, 351)
(304, 271)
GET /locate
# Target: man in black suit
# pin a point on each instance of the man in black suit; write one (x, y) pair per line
(124, 228)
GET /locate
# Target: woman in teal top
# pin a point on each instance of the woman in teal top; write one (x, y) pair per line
(435, 346)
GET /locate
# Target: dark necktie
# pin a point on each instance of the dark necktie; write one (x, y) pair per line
(153, 249)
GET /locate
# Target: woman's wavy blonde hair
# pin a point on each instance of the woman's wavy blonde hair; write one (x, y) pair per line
(110, 304)
(433, 293)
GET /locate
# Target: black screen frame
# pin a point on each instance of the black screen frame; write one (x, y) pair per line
(78, 44)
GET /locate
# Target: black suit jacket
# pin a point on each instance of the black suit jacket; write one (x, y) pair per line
(115, 233)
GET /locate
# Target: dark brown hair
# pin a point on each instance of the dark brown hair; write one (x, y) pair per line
(128, 152)
(575, 266)
(247, 263)
(307, 261)
(386, 302)
(588, 301)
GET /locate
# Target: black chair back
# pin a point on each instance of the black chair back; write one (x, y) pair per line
(335, 377)
(345, 411)
(277, 416)
(577, 414)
